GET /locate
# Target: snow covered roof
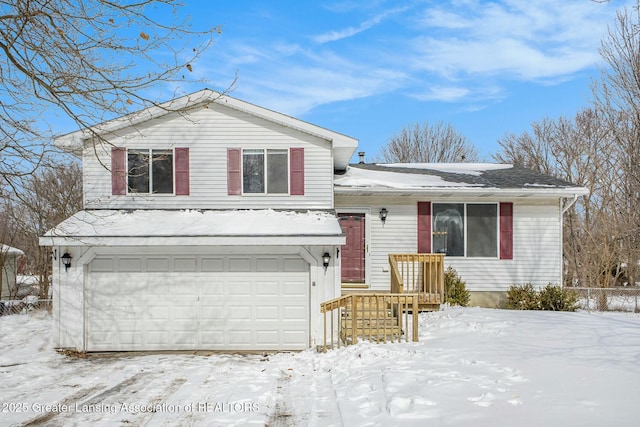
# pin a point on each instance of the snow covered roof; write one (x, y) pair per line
(343, 146)
(444, 178)
(194, 227)
(10, 250)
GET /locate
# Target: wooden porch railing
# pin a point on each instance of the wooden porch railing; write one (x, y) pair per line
(418, 273)
(376, 317)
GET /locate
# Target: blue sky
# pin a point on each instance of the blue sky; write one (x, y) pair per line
(366, 69)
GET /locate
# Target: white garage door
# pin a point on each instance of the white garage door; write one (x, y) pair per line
(198, 303)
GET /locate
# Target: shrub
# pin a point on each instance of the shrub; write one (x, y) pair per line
(552, 298)
(455, 288)
(523, 297)
(555, 298)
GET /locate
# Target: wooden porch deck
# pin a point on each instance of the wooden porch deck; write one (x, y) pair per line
(417, 284)
(377, 317)
(422, 274)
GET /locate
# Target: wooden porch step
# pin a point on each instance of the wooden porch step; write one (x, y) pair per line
(388, 323)
(429, 306)
(376, 335)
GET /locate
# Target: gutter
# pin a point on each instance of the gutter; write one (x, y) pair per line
(460, 191)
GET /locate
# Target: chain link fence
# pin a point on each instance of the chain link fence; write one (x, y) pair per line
(609, 299)
(24, 306)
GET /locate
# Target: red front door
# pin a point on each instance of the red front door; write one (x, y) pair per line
(353, 251)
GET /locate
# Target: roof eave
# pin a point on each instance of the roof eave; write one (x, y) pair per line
(282, 240)
(467, 191)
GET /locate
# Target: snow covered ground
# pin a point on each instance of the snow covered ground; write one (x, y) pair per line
(472, 366)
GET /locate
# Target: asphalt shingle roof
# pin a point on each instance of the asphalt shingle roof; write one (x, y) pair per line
(503, 176)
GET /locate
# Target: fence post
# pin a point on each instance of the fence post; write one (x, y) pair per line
(414, 317)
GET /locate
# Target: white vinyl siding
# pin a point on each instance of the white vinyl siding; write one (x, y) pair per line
(536, 242)
(208, 133)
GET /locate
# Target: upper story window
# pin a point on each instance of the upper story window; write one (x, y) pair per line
(465, 229)
(135, 171)
(150, 171)
(265, 171)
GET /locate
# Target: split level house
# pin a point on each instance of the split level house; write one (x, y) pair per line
(210, 223)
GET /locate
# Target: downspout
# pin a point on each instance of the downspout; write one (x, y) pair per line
(573, 202)
(563, 210)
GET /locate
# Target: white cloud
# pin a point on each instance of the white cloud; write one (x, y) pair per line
(544, 39)
(507, 57)
(462, 51)
(352, 31)
(442, 93)
(299, 89)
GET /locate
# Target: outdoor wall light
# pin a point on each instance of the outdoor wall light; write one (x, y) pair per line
(66, 260)
(325, 260)
(383, 214)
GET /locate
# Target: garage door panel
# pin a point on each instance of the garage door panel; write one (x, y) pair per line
(240, 264)
(185, 338)
(295, 289)
(239, 312)
(290, 338)
(293, 312)
(240, 289)
(240, 338)
(156, 337)
(267, 337)
(213, 264)
(238, 308)
(267, 264)
(267, 312)
(212, 339)
(214, 289)
(267, 289)
(212, 313)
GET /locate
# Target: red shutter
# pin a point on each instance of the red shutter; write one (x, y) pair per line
(506, 230)
(424, 227)
(234, 171)
(118, 171)
(182, 171)
(296, 172)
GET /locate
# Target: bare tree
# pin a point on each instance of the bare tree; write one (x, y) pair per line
(86, 61)
(49, 196)
(577, 150)
(439, 143)
(617, 95)
(600, 149)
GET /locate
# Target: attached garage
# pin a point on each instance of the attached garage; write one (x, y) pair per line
(198, 302)
(199, 282)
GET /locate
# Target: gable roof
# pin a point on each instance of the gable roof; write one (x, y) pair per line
(478, 179)
(343, 146)
(9, 250)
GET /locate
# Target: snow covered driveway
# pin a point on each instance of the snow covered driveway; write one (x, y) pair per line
(471, 367)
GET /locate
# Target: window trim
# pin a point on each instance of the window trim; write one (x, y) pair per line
(150, 171)
(265, 155)
(465, 231)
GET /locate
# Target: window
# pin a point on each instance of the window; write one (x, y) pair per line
(265, 171)
(465, 229)
(150, 171)
(482, 230)
(448, 228)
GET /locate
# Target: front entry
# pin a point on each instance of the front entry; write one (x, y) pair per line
(353, 252)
